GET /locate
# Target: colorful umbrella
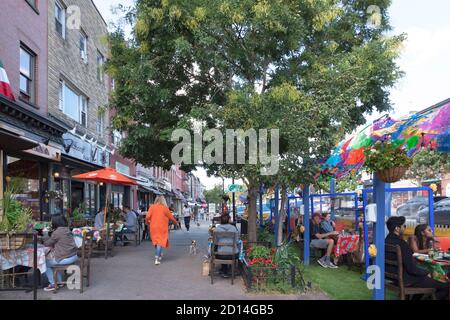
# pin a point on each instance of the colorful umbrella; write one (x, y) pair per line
(429, 129)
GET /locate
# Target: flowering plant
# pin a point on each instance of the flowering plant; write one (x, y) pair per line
(386, 155)
(261, 256)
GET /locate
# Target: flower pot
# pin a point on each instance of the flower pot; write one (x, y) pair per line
(392, 174)
(11, 241)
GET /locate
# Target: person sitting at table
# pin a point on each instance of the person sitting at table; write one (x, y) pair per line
(227, 252)
(327, 225)
(320, 241)
(63, 247)
(413, 276)
(422, 240)
(99, 219)
(129, 225)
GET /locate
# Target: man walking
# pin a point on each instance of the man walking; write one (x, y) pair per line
(187, 216)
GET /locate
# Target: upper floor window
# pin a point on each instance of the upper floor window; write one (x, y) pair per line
(100, 124)
(73, 104)
(60, 19)
(83, 47)
(100, 62)
(117, 138)
(27, 75)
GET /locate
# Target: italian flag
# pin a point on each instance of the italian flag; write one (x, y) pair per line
(5, 87)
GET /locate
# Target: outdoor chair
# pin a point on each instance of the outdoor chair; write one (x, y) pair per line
(217, 258)
(391, 277)
(131, 237)
(84, 263)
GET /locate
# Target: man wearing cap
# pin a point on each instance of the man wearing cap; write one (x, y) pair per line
(321, 241)
(412, 276)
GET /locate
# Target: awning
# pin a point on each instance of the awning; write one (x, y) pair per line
(149, 189)
(179, 195)
(15, 142)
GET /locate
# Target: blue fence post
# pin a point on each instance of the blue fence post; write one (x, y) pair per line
(332, 191)
(379, 233)
(366, 235)
(388, 200)
(277, 198)
(431, 210)
(272, 207)
(261, 216)
(306, 225)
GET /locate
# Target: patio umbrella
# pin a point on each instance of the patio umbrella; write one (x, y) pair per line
(108, 176)
(425, 129)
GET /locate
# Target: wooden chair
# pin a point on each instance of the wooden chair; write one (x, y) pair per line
(392, 277)
(84, 263)
(220, 243)
(131, 237)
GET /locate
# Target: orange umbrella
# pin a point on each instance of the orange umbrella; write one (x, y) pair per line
(107, 175)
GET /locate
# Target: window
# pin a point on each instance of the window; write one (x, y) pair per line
(117, 137)
(73, 104)
(27, 74)
(60, 19)
(100, 124)
(100, 61)
(83, 47)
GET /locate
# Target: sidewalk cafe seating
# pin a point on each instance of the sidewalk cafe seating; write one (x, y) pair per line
(217, 258)
(130, 237)
(400, 287)
(84, 262)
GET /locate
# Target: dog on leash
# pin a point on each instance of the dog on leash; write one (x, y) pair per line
(193, 248)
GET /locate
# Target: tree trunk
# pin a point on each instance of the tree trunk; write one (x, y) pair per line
(252, 196)
(281, 214)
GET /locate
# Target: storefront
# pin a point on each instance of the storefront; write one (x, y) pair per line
(29, 148)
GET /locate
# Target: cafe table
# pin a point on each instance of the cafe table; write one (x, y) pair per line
(438, 268)
(24, 257)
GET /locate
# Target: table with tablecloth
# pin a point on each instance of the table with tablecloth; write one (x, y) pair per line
(346, 244)
(24, 257)
(438, 268)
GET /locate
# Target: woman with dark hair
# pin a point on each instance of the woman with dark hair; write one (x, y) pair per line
(422, 240)
(64, 249)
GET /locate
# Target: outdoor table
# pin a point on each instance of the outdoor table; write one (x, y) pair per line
(24, 257)
(78, 235)
(346, 244)
(437, 267)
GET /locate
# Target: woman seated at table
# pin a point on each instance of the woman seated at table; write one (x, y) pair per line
(64, 249)
(422, 240)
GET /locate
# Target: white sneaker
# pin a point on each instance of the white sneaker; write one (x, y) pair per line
(157, 262)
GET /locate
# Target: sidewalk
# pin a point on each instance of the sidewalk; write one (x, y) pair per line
(132, 274)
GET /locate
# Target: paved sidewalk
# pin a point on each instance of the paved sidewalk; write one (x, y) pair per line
(132, 274)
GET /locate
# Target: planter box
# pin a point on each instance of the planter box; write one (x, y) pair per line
(13, 241)
(258, 278)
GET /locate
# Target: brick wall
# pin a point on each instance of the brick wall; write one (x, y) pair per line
(19, 22)
(65, 62)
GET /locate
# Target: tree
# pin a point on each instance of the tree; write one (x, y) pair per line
(311, 69)
(428, 164)
(214, 195)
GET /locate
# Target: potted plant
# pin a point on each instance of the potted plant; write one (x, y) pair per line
(52, 194)
(16, 221)
(78, 219)
(388, 160)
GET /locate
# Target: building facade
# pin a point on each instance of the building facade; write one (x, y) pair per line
(78, 94)
(29, 141)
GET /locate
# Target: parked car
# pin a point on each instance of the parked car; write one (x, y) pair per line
(410, 209)
(441, 213)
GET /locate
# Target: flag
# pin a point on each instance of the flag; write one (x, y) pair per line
(5, 87)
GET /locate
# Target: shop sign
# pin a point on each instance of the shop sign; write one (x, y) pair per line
(45, 151)
(121, 168)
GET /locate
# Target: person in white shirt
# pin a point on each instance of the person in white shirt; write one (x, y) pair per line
(187, 216)
(99, 218)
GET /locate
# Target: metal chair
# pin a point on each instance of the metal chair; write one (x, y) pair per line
(392, 277)
(217, 258)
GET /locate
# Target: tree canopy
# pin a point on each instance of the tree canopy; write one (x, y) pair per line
(311, 69)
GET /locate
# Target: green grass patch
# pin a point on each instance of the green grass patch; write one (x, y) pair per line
(341, 283)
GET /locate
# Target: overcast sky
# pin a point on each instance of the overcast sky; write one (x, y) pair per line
(425, 58)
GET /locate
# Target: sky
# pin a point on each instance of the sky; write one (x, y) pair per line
(425, 58)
